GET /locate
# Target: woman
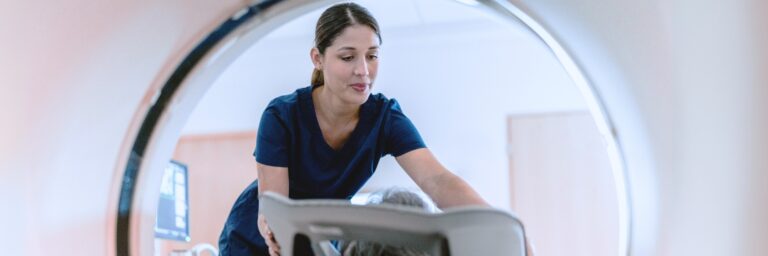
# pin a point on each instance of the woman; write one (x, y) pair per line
(325, 140)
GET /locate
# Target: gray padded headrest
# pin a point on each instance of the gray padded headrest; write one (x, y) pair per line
(456, 231)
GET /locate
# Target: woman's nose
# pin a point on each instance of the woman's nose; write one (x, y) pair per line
(361, 69)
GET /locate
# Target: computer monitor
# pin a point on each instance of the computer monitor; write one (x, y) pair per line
(172, 220)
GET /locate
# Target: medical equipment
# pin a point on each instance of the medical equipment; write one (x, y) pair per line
(456, 231)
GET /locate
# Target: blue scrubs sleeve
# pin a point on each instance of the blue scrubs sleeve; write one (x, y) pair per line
(402, 134)
(272, 141)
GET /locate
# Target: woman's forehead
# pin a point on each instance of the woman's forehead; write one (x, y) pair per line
(356, 37)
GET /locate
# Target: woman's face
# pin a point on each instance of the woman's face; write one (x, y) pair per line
(350, 63)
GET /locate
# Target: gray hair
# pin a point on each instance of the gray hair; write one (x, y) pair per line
(364, 248)
(398, 196)
(395, 196)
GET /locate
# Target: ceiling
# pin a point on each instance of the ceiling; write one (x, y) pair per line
(394, 14)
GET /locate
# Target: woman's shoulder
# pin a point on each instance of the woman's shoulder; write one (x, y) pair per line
(384, 103)
(380, 99)
(284, 103)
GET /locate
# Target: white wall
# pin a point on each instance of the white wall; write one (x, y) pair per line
(456, 81)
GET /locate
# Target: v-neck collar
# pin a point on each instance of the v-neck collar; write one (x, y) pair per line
(363, 123)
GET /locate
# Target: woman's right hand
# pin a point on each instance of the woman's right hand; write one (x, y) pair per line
(269, 237)
(275, 179)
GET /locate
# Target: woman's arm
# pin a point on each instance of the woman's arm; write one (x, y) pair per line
(273, 179)
(445, 188)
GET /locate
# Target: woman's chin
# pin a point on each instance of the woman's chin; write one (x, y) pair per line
(358, 98)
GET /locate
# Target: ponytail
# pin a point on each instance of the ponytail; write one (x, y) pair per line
(317, 78)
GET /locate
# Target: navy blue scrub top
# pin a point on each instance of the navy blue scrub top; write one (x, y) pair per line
(290, 136)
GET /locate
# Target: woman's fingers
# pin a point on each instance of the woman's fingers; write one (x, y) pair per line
(273, 240)
(269, 237)
(274, 247)
(274, 250)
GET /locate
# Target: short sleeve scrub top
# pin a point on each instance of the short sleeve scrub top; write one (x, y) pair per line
(290, 136)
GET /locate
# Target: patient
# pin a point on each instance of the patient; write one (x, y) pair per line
(396, 196)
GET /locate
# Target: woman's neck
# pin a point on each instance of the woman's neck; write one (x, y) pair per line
(332, 108)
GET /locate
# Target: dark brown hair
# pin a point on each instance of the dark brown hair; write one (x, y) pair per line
(332, 22)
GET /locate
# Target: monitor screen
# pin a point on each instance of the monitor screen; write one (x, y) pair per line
(172, 220)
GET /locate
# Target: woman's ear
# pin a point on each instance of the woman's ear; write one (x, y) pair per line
(316, 57)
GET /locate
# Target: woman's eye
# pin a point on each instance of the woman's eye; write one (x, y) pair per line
(373, 57)
(347, 58)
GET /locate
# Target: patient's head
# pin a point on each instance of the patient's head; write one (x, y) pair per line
(397, 196)
(364, 248)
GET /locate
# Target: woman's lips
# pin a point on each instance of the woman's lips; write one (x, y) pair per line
(359, 87)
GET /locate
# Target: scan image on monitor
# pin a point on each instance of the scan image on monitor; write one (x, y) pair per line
(173, 207)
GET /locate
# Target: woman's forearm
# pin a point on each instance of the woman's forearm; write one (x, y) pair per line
(273, 179)
(444, 187)
(449, 190)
